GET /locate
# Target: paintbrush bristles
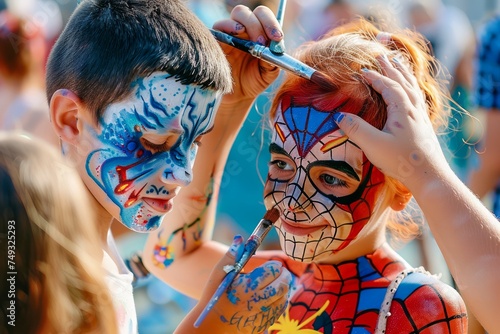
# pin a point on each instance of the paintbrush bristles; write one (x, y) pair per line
(272, 215)
(323, 81)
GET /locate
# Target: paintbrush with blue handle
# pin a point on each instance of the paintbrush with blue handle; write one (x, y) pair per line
(251, 245)
(283, 61)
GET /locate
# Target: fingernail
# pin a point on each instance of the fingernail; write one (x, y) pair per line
(261, 40)
(236, 243)
(364, 69)
(338, 117)
(395, 60)
(236, 248)
(239, 27)
(276, 33)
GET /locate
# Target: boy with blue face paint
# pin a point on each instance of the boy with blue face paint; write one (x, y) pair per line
(133, 88)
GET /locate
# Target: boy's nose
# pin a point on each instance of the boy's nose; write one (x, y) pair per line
(178, 176)
(180, 168)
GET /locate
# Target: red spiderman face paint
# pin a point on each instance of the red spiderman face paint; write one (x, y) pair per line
(322, 183)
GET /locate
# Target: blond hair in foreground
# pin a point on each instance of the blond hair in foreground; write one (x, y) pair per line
(59, 285)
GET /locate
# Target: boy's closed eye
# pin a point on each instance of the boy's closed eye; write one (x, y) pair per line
(156, 143)
(153, 147)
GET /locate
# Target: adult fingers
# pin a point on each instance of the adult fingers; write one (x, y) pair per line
(269, 22)
(383, 149)
(392, 92)
(410, 85)
(260, 25)
(393, 71)
(361, 133)
(230, 27)
(405, 69)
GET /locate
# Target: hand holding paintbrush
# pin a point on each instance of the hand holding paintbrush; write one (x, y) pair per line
(251, 246)
(282, 60)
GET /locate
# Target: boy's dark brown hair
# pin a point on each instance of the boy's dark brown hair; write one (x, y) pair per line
(107, 44)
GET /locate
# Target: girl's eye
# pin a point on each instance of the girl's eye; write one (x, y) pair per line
(281, 164)
(333, 181)
(281, 169)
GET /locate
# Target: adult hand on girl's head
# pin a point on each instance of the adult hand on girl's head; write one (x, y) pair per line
(407, 148)
(251, 75)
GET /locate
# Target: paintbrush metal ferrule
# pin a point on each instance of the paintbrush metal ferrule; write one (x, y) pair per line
(283, 60)
(261, 230)
(253, 242)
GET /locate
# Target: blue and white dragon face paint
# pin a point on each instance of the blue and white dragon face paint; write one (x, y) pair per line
(143, 149)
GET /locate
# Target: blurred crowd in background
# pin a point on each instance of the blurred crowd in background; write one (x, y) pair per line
(28, 28)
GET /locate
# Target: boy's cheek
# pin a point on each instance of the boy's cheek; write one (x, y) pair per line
(84, 147)
(76, 155)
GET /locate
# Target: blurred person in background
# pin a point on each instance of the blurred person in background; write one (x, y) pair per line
(485, 175)
(452, 40)
(306, 21)
(23, 104)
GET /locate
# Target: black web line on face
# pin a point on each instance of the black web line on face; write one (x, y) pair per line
(303, 257)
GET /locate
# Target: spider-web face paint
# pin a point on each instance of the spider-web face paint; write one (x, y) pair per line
(322, 183)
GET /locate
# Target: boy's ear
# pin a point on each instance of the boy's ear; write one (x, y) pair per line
(65, 107)
(400, 200)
